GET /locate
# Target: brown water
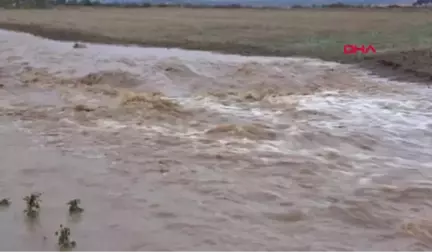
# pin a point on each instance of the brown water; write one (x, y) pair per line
(181, 150)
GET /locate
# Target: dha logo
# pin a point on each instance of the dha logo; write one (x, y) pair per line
(353, 49)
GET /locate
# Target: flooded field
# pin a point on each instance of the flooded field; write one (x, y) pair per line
(180, 150)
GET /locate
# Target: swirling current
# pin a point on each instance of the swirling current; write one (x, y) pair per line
(182, 150)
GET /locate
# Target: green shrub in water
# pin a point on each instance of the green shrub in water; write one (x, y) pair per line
(5, 202)
(32, 204)
(74, 206)
(64, 241)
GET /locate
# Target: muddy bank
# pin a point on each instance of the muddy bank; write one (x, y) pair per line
(74, 35)
(413, 65)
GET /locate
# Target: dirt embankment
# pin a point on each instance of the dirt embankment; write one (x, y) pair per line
(413, 65)
(78, 35)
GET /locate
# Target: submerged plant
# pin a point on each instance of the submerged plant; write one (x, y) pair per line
(33, 207)
(78, 45)
(74, 206)
(5, 202)
(64, 241)
(83, 108)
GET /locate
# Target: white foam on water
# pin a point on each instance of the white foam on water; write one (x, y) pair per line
(395, 113)
(233, 109)
(387, 115)
(312, 161)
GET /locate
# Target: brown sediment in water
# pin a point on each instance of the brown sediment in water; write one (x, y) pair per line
(252, 131)
(253, 95)
(119, 79)
(408, 65)
(150, 101)
(421, 230)
(32, 75)
(114, 85)
(216, 173)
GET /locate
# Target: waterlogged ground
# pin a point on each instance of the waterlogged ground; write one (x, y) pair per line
(181, 150)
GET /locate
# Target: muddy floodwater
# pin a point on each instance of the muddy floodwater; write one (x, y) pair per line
(181, 150)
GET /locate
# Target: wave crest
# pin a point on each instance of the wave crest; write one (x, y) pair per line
(251, 131)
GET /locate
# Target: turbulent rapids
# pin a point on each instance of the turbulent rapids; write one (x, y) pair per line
(181, 150)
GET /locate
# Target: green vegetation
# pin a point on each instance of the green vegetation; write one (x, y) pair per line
(32, 205)
(32, 210)
(310, 32)
(5, 202)
(64, 241)
(74, 206)
(25, 4)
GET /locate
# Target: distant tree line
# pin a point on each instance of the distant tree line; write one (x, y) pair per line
(48, 3)
(422, 2)
(348, 6)
(141, 5)
(230, 6)
(26, 3)
(351, 6)
(147, 5)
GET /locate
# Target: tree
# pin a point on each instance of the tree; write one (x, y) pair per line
(86, 2)
(41, 3)
(422, 2)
